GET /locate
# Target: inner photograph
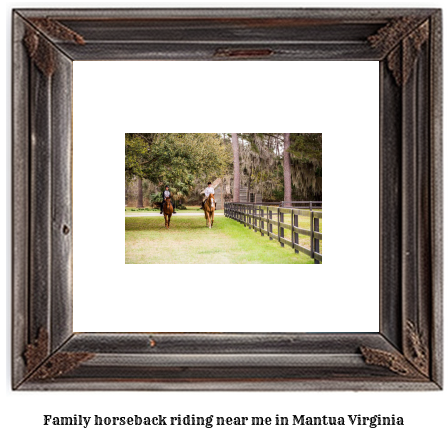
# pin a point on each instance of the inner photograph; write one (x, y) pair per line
(223, 198)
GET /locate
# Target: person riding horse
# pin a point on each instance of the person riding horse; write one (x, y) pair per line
(165, 194)
(207, 192)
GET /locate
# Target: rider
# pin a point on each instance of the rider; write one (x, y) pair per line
(165, 194)
(207, 192)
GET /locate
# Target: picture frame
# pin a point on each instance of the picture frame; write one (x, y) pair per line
(406, 353)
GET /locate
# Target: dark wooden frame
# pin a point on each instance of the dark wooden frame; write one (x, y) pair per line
(406, 354)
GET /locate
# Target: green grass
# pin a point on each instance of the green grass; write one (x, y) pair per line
(193, 207)
(189, 241)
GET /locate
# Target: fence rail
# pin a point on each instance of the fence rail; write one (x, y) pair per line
(261, 218)
(302, 205)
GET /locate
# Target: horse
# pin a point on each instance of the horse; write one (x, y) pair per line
(167, 212)
(209, 209)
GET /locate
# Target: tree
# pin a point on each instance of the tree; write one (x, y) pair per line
(280, 166)
(176, 159)
(140, 193)
(261, 164)
(306, 166)
(264, 162)
(236, 168)
(287, 170)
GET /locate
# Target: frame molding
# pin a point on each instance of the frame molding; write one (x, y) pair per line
(406, 354)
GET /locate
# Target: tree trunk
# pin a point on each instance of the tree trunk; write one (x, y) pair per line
(287, 171)
(236, 168)
(140, 193)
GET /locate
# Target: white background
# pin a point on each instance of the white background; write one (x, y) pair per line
(339, 99)
(424, 413)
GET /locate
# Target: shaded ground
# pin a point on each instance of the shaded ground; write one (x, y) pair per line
(189, 241)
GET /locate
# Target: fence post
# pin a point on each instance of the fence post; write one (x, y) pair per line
(249, 208)
(296, 235)
(282, 230)
(312, 234)
(292, 228)
(261, 222)
(316, 241)
(251, 213)
(278, 224)
(254, 222)
(255, 218)
(270, 225)
(252, 219)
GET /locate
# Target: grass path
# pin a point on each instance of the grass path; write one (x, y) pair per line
(188, 209)
(157, 214)
(190, 241)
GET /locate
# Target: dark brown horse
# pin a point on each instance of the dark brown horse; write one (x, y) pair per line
(209, 209)
(167, 212)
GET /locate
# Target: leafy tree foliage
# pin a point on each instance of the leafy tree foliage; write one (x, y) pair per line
(156, 197)
(176, 159)
(255, 160)
(306, 165)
